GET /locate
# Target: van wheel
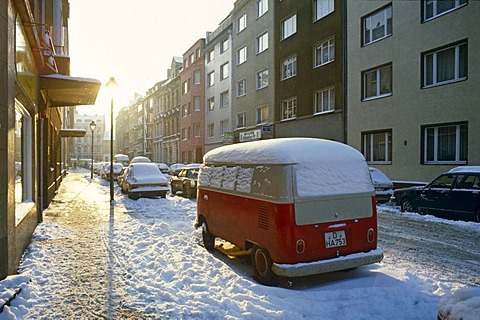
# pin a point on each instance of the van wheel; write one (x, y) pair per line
(208, 238)
(262, 267)
(407, 205)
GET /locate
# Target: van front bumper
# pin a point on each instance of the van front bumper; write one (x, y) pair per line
(323, 266)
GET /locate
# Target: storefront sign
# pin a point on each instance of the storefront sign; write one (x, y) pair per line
(250, 135)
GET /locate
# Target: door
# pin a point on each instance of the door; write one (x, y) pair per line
(465, 197)
(435, 197)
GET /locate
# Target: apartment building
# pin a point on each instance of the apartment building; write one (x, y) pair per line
(412, 85)
(218, 87)
(166, 110)
(309, 59)
(192, 99)
(253, 69)
(37, 96)
(81, 147)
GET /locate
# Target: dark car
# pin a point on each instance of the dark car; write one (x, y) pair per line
(185, 181)
(452, 195)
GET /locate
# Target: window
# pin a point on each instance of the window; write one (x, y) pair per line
(223, 127)
(185, 87)
(322, 8)
(241, 87)
(289, 26)
(289, 67)
(241, 55)
(224, 99)
(445, 144)
(289, 108)
(224, 46)
(211, 130)
(211, 79)
(192, 58)
(377, 82)
(196, 130)
(377, 26)
(185, 110)
(445, 65)
(196, 77)
(224, 71)
(434, 8)
(23, 156)
(184, 134)
(261, 7)
(262, 79)
(241, 23)
(211, 55)
(324, 100)
(324, 52)
(196, 103)
(241, 120)
(211, 104)
(377, 146)
(262, 42)
(261, 115)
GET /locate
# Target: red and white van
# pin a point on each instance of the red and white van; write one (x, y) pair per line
(303, 206)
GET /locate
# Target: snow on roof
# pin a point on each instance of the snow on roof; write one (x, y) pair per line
(466, 169)
(283, 151)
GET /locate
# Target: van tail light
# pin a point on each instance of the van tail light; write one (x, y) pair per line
(300, 246)
(370, 235)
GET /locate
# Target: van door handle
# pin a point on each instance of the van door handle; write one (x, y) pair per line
(205, 197)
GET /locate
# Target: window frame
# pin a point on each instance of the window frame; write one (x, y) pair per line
(331, 101)
(368, 139)
(259, 119)
(197, 77)
(286, 105)
(260, 40)
(224, 46)
(378, 82)
(387, 12)
(223, 127)
(258, 12)
(242, 26)
(260, 77)
(316, 15)
(319, 48)
(224, 101)
(197, 103)
(224, 71)
(211, 130)
(458, 5)
(458, 62)
(211, 104)
(241, 50)
(244, 81)
(211, 79)
(459, 143)
(289, 22)
(287, 64)
(243, 123)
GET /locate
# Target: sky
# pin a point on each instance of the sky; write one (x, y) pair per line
(134, 41)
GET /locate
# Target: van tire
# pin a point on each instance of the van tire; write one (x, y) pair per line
(262, 267)
(208, 238)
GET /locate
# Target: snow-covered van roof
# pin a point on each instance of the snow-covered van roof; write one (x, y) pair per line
(321, 166)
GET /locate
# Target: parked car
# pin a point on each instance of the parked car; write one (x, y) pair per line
(452, 195)
(142, 159)
(185, 181)
(163, 167)
(175, 168)
(117, 168)
(144, 180)
(383, 185)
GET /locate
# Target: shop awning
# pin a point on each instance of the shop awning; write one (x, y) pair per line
(72, 133)
(60, 91)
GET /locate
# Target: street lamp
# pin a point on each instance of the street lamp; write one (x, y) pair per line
(93, 125)
(111, 85)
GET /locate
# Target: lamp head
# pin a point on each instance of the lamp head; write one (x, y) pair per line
(93, 125)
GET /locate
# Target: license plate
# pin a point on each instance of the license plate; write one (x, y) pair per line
(335, 239)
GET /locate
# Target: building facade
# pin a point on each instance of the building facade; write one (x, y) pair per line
(412, 85)
(218, 88)
(253, 52)
(309, 59)
(81, 147)
(192, 99)
(36, 99)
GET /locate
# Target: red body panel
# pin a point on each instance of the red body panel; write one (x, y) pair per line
(272, 226)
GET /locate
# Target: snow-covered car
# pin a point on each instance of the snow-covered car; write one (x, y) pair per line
(186, 182)
(175, 168)
(140, 159)
(163, 167)
(463, 303)
(144, 180)
(383, 185)
(117, 169)
(452, 195)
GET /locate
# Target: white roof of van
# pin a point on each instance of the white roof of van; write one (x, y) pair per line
(283, 151)
(321, 166)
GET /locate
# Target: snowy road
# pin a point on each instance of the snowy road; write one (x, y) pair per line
(431, 247)
(142, 260)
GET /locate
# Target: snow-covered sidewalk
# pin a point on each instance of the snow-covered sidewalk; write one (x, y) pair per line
(142, 260)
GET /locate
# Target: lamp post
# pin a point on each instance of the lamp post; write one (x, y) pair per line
(93, 125)
(111, 84)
